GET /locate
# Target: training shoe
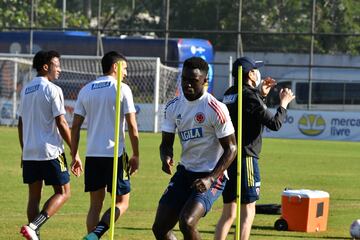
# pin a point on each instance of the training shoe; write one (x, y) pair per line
(91, 236)
(28, 233)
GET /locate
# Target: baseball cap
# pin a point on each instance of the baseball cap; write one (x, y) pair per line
(247, 64)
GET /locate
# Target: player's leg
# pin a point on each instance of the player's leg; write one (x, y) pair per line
(246, 220)
(57, 200)
(198, 205)
(229, 208)
(189, 218)
(95, 184)
(165, 220)
(226, 220)
(32, 209)
(121, 205)
(34, 200)
(171, 204)
(122, 196)
(250, 192)
(56, 173)
(96, 204)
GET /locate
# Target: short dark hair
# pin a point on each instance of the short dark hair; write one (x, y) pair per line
(197, 63)
(109, 59)
(44, 57)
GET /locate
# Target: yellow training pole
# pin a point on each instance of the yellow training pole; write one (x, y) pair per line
(116, 149)
(239, 160)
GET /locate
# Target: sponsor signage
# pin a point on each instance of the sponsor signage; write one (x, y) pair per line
(321, 125)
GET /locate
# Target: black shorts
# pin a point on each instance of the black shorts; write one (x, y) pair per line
(250, 181)
(53, 172)
(99, 173)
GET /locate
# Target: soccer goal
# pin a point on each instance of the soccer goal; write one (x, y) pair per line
(152, 84)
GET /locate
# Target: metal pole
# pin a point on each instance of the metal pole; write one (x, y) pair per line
(64, 15)
(31, 27)
(311, 59)
(99, 45)
(239, 46)
(230, 72)
(167, 30)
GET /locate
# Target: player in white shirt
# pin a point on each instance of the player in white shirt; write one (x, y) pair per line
(208, 147)
(42, 128)
(96, 102)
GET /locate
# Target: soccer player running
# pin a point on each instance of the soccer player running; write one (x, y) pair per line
(96, 102)
(42, 128)
(255, 116)
(208, 147)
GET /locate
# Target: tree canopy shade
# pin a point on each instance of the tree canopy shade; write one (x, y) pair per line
(267, 25)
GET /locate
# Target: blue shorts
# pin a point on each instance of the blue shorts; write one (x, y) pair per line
(179, 190)
(250, 181)
(53, 172)
(99, 172)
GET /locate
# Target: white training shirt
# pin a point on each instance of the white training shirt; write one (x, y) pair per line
(200, 124)
(96, 102)
(41, 101)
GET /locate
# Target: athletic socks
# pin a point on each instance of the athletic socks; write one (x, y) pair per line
(39, 220)
(100, 229)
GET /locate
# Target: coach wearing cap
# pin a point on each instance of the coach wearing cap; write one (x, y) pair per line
(255, 116)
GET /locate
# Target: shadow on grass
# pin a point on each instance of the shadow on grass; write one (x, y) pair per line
(278, 234)
(274, 233)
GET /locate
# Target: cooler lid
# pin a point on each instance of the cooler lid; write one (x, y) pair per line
(305, 193)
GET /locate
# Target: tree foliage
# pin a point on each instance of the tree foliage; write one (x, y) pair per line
(17, 14)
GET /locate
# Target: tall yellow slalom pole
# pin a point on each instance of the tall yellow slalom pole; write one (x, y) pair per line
(116, 149)
(239, 160)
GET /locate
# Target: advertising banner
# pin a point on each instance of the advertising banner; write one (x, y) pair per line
(321, 125)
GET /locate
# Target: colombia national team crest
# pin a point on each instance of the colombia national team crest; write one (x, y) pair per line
(200, 117)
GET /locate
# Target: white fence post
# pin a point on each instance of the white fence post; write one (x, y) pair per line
(156, 95)
(14, 100)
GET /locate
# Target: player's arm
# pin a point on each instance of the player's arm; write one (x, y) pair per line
(64, 129)
(134, 139)
(274, 122)
(76, 165)
(20, 134)
(166, 151)
(228, 143)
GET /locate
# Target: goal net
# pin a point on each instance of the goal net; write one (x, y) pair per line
(152, 85)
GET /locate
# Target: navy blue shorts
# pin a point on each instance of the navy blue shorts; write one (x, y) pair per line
(250, 181)
(99, 172)
(179, 190)
(53, 172)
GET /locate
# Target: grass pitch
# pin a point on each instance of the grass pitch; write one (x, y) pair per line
(318, 165)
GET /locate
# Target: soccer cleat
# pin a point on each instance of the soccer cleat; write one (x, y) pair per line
(91, 236)
(29, 233)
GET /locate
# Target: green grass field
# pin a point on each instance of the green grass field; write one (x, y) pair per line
(319, 165)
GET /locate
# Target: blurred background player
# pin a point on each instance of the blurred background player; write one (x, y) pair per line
(42, 128)
(255, 116)
(96, 102)
(208, 147)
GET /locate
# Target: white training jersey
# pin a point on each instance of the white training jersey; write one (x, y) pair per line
(200, 124)
(41, 101)
(96, 102)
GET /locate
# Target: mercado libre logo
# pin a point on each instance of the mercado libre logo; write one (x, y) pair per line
(311, 124)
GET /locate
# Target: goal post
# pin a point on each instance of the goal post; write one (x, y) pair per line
(152, 85)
